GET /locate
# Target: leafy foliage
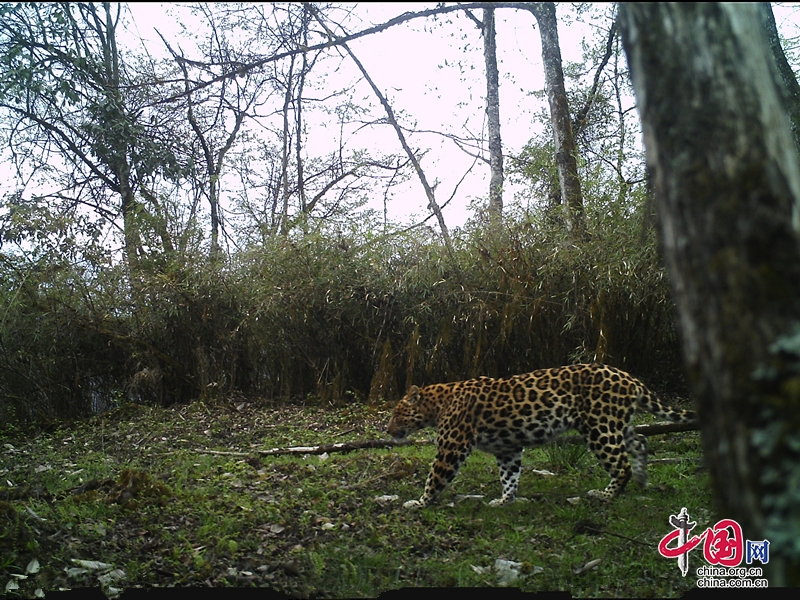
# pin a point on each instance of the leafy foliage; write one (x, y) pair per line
(333, 313)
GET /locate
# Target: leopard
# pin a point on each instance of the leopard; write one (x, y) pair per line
(503, 416)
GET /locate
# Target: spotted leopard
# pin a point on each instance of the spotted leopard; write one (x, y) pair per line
(502, 416)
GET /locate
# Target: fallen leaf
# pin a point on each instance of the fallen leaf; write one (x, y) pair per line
(12, 585)
(589, 565)
(544, 472)
(33, 567)
(74, 571)
(462, 497)
(29, 510)
(111, 576)
(480, 570)
(275, 528)
(92, 565)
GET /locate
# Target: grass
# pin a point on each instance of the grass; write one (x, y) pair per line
(136, 490)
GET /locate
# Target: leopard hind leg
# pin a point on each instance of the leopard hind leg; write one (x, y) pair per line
(510, 464)
(611, 450)
(637, 450)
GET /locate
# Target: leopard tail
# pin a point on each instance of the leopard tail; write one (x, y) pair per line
(648, 401)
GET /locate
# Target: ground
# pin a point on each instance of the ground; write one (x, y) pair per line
(143, 497)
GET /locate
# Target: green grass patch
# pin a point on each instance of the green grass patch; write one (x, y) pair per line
(138, 491)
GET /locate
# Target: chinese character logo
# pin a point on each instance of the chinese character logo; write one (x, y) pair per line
(757, 551)
(682, 528)
(723, 543)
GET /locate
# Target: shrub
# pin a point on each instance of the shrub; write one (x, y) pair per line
(336, 314)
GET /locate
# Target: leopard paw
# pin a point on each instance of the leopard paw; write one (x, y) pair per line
(598, 495)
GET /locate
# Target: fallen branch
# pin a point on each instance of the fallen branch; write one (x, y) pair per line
(653, 429)
(665, 427)
(323, 448)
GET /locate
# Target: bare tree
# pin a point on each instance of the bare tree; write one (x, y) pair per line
(496, 177)
(429, 193)
(564, 139)
(727, 179)
(560, 119)
(496, 174)
(207, 116)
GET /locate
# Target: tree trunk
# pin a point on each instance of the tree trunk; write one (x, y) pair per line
(566, 151)
(117, 158)
(298, 143)
(287, 102)
(130, 219)
(493, 117)
(790, 85)
(727, 180)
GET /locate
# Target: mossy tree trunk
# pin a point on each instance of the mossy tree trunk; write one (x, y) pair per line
(727, 180)
(493, 117)
(560, 119)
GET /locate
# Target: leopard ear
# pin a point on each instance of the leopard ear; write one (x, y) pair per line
(413, 394)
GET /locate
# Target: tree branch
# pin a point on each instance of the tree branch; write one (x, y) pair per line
(432, 204)
(581, 117)
(239, 69)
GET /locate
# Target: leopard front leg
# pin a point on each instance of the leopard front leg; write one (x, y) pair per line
(509, 464)
(443, 470)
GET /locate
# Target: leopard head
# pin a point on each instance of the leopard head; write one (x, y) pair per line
(411, 414)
